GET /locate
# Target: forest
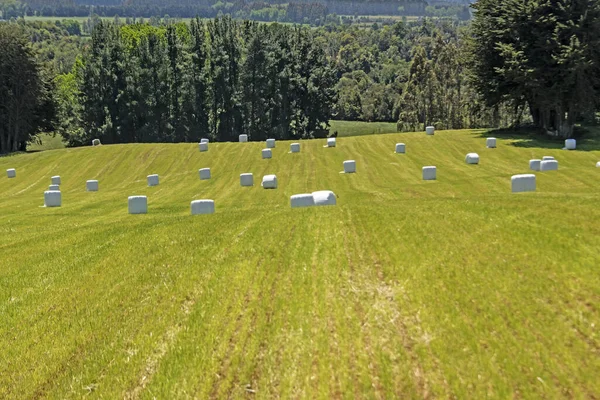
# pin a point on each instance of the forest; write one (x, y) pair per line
(163, 80)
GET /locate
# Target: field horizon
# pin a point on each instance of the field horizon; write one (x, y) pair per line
(405, 289)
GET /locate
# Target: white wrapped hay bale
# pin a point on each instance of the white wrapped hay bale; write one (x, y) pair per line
(204, 173)
(331, 142)
(243, 138)
(96, 142)
(203, 146)
(204, 140)
(204, 206)
(429, 173)
(91, 186)
(570, 144)
(11, 173)
(269, 182)
(270, 143)
(523, 183)
(472, 158)
(545, 158)
(400, 148)
(137, 204)
(549, 165)
(52, 198)
(534, 164)
(349, 167)
(54, 187)
(302, 200)
(598, 164)
(491, 143)
(324, 198)
(430, 130)
(55, 180)
(247, 179)
(152, 180)
(295, 147)
(266, 153)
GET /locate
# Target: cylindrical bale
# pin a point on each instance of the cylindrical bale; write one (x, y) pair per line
(55, 180)
(523, 183)
(400, 148)
(204, 140)
(152, 180)
(429, 173)
(295, 147)
(491, 143)
(91, 185)
(549, 165)
(246, 179)
(270, 143)
(269, 182)
(570, 144)
(430, 130)
(204, 173)
(137, 204)
(331, 142)
(324, 198)
(204, 206)
(203, 146)
(534, 164)
(52, 198)
(472, 158)
(243, 138)
(96, 142)
(546, 158)
(349, 166)
(11, 173)
(302, 200)
(266, 153)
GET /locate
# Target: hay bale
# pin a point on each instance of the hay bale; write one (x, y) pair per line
(52, 198)
(490, 142)
(55, 180)
(204, 140)
(430, 130)
(152, 180)
(137, 204)
(331, 142)
(266, 153)
(269, 182)
(270, 143)
(324, 198)
(54, 187)
(549, 165)
(295, 147)
(204, 173)
(472, 158)
(91, 186)
(11, 173)
(429, 173)
(349, 167)
(523, 183)
(203, 146)
(534, 164)
(302, 200)
(243, 138)
(570, 144)
(545, 158)
(598, 164)
(96, 142)
(247, 179)
(400, 148)
(204, 206)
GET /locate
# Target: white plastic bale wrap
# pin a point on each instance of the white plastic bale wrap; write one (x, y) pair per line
(55, 180)
(534, 164)
(522, 183)
(270, 143)
(204, 173)
(324, 198)
(472, 158)
(54, 187)
(152, 180)
(269, 182)
(247, 179)
(295, 147)
(598, 164)
(490, 142)
(549, 165)
(430, 130)
(204, 206)
(266, 153)
(570, 144)
(400, 148)
(429, 173)
(137, 204)
(91, 186)
(243, 138)
(546, 158)
(203, 146)
(349, 166)
(331, 142)
(204, 140)
(96, 142)
(302, 200)
(52, 198)
(11, 173)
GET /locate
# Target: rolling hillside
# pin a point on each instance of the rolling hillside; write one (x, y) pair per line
(405, 289)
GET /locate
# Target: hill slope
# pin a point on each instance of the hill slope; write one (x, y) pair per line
(405, 289)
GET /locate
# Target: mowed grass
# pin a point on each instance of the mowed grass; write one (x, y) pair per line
(405, 289)
(360, 128)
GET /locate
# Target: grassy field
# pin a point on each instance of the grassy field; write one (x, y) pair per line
(359, 128)
(453, 288)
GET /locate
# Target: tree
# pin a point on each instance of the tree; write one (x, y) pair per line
(543, 53)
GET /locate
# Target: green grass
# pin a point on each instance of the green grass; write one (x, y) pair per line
(453, 288)
(46, 141)
(358, 128)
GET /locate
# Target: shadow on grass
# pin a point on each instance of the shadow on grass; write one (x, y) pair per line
(588, 138)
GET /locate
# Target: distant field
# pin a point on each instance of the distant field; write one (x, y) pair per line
(406, 289)
(359, 128)
(46, 142)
